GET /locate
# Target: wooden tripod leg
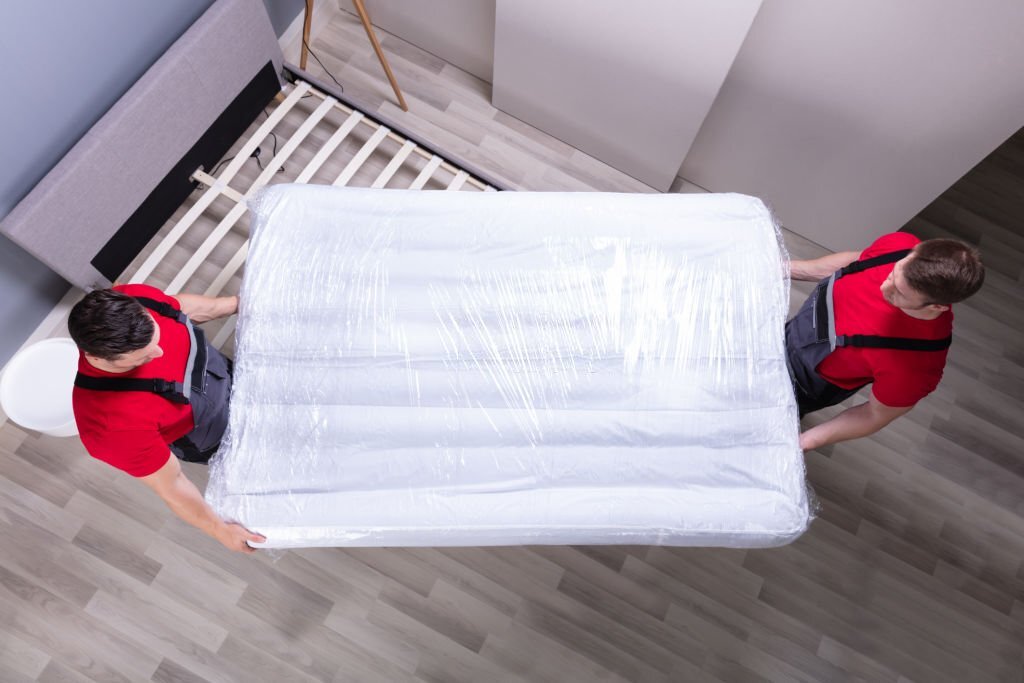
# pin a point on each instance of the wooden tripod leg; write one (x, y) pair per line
(306, 22)
(361, 10)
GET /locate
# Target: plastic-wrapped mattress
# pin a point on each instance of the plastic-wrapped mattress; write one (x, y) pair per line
(456, 368)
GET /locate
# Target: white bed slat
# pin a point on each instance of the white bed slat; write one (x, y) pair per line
(263, 131)
(204, 201)
(361, 156)
(271, 169)
(328, 148)
(237, 211)
(172, 237)
(428, 170)
(261, 134)
(219, 185)
(289, 147)
(393, 166)
(458, 181)
(225, 331)
(211, 182)
(236, 262)
(398, 138)
(261, 181)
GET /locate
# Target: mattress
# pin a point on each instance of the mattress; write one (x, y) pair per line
(497, 368)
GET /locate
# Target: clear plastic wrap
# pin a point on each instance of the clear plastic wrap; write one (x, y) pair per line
(456, 368)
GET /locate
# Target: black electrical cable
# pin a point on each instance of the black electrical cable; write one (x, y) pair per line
(274, 152)
(219, 164)
(255, 153)
(340, 86)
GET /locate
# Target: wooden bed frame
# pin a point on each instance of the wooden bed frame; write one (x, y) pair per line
(102, 203)
(144, 196)
(367, 152)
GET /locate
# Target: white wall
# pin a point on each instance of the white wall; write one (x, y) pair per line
(628, 83)
(461, 32)
(850, 116)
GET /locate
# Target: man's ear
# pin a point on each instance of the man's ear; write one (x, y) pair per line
(95, 361)
(939, 308)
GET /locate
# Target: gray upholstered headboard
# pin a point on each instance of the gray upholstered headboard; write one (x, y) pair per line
(96, 209)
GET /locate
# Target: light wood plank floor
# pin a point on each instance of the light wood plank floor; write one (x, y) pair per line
(912, 572)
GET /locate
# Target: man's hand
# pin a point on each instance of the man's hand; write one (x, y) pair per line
(234, 536)
(184, 500)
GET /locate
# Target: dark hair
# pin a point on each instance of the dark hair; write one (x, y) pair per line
(107, 323)
(944, 271)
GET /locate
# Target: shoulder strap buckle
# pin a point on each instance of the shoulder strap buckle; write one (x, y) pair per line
(172, 391)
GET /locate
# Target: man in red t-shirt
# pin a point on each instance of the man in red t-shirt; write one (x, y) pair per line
(882, 317)
(149, 388)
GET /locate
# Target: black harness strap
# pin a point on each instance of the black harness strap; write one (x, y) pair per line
(858, 266)
(163, 308)
(898, 343)
(172, 391)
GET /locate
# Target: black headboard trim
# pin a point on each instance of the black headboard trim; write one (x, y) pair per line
(164, 200)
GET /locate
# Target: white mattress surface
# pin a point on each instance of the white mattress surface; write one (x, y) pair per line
(459, 368)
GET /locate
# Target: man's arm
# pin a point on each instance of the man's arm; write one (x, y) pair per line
(202, 308)
(184, 500)
(819, 268)
(853, 423)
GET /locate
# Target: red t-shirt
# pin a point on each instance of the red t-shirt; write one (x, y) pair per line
(901, 378)
(131, 429)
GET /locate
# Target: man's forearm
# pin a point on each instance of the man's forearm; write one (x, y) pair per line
(184, 500)
(819, 268)
(203, 308)
(188, 504)
(852, 423)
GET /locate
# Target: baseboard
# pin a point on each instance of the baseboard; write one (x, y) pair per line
(291, 40)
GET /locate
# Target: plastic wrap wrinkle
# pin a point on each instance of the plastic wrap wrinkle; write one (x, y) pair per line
(456, 368)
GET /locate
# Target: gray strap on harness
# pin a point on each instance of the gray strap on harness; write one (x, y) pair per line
(190, 364)
(831, 313)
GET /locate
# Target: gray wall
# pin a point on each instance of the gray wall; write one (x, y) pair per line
(283, 12)
(851, 116)
(628, 87)
(67, 63)
(461, 32)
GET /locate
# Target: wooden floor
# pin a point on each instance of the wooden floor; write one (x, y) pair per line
(912, 572)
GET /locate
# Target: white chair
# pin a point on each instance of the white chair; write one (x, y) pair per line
(35, 388)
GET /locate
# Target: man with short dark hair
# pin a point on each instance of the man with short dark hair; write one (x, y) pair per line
(881, 317)
(150, 388)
